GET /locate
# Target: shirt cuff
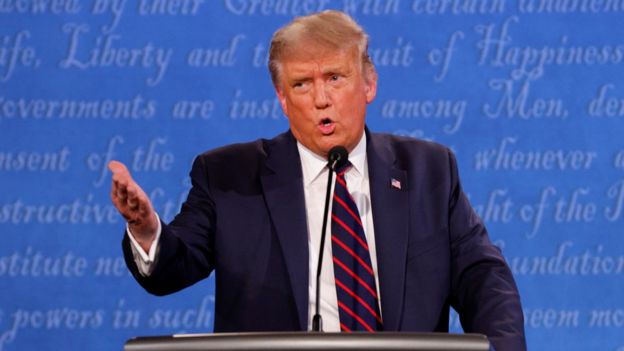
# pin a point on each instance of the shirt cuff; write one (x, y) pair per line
(145, 261)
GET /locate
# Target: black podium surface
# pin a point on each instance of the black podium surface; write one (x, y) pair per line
(311, 341)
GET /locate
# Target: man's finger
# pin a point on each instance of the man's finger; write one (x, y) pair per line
(121, 177)
(117, 167)
(122, 190)
(114, 188)
(133, 200)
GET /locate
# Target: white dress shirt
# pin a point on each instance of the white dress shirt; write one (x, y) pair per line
(314, 184)
(314, 187)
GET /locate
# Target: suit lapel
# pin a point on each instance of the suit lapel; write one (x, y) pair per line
(390, 204)
(282, 183)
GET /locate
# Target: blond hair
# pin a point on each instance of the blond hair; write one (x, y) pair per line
(327, 30)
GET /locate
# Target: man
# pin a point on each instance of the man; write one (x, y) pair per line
(254, 214)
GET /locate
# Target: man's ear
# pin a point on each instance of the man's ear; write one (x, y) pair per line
(282, 99)
(370, 81)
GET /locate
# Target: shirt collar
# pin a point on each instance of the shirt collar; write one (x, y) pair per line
(312, 165)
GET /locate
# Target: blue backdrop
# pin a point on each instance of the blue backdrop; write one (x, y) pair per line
(528, 93)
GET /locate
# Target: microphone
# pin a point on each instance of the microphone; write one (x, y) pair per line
(337, 157)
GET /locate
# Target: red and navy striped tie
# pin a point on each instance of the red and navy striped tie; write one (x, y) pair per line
(355, 280)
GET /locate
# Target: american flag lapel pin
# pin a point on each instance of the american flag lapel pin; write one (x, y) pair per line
(395, 183)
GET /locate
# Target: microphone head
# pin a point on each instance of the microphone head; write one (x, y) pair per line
(337, 156)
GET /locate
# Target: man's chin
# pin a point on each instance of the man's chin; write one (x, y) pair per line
(325, 149)
(322, 144)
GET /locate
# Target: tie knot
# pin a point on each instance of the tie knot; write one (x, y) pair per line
(345, 167)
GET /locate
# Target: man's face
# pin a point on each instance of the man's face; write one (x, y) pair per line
(325, 99)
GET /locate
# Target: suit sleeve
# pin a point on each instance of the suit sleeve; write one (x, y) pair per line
(484, 292)
(186, 252)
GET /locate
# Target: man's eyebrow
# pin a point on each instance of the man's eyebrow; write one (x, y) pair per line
(336, 68)
(300, 75)
(340, 68)
(299, 79)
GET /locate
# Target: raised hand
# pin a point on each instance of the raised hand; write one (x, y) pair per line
(134, 205)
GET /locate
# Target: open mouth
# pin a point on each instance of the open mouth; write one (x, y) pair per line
(327, 126)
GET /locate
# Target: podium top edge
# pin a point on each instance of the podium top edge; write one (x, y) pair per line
(311, 341)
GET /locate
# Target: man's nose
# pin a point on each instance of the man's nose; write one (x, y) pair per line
(321, 98)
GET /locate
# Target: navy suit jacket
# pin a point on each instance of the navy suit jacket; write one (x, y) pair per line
(245, 219)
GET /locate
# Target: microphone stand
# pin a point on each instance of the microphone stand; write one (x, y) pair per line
(317, 321)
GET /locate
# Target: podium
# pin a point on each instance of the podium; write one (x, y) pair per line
(388, 341)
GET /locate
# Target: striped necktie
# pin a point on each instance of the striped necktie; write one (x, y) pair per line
(355, 280)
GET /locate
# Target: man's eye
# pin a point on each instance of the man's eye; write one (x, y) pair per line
(335, 77)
